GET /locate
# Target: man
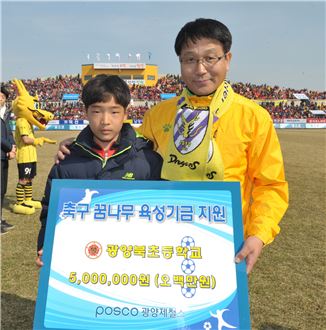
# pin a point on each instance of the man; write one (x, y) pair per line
(211, 133)
(8, 151)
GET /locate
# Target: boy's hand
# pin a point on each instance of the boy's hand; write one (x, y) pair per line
(251, 250)
(63, 150)
(38, 260)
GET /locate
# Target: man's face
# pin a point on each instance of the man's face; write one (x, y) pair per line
(2, 99)
(204, 66)
(106, 120)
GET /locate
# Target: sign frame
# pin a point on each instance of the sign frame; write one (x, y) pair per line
(240, 269)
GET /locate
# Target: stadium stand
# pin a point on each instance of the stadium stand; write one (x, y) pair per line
(279, 102)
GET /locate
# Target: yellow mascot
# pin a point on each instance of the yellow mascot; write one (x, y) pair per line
(28, 113)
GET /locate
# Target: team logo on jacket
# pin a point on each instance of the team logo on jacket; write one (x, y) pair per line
(189, 129)
(93, 250)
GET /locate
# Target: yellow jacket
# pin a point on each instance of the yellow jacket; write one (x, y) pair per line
(251, 154)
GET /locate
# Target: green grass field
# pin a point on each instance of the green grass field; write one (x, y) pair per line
(287, 286)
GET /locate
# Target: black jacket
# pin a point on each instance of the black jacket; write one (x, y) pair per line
(134, 159)
(7, 140)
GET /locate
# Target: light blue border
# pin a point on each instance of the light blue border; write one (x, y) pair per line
(57, 185)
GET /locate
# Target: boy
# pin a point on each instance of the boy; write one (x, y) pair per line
(108, 148)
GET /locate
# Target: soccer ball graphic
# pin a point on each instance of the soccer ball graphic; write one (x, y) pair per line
(188, 266)
(187, 241)
(207, 326)
(188, 292)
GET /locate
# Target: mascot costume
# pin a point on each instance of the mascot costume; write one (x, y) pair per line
(28, 113)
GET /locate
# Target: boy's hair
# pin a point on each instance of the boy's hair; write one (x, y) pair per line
(203, 28)
(103, 87)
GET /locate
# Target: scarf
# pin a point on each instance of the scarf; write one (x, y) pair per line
(192, 152)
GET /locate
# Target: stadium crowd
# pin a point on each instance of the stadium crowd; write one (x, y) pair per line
(290, 110)
(280, 102)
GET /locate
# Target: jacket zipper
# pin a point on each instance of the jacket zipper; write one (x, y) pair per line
(103, 161)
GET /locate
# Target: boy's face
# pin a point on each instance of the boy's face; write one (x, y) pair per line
(106, 120)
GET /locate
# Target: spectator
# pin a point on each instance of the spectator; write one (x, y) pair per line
(8, 151)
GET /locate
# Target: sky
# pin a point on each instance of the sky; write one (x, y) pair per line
(275, 43)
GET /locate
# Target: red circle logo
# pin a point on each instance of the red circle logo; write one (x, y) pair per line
(93, 250)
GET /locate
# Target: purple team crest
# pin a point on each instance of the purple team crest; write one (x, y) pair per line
(189, 129)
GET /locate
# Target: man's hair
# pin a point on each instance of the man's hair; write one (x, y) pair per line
(4, 91)
(203, 28)
(103, 87)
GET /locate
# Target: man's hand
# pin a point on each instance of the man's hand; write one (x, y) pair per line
(251, 250)
(38, 260)
(63, 150)
(12, 153)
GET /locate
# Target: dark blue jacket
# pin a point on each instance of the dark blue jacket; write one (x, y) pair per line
(134, 159)
(7, 140)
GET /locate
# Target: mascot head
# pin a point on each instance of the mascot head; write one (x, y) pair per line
(28, 107)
